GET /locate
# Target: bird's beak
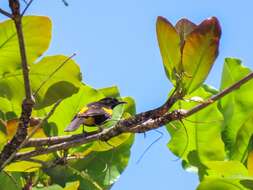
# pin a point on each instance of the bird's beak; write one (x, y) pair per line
(122, 102)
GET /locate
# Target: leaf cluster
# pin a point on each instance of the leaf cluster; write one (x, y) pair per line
(96, 165)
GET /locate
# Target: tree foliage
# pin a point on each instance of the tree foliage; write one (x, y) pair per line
(215, 141)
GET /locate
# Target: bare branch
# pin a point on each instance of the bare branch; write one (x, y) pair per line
(65, 3)
(28, 102)
(27, 6)
(5, 13)
(125, 126)
(49, 141)
(7, 161)
(223, 93)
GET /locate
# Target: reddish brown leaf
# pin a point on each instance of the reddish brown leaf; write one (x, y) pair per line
(12, 125)
(184, 27)
(199, 52)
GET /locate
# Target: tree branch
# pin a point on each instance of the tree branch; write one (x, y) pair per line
(27, 6)
(5, 13)
(28, 102)
(7, 161)
(124, 126)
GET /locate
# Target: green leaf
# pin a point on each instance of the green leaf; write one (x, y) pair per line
(129, 107)
(69, 186)
(111, 91)
(7, 106)
(97, 171)
(22, 166)
(226, 169)
(115, 141)
(247, 183)
(236, 108)
(72, 186)
(169, 44)
(221, 184)
(199, 53)
(51, 187)
(37, 36)
(63, 83)
(28, 166)
(241, 146)
(192, 142)
(12, 181)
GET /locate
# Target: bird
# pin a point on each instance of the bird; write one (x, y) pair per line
(94, 114)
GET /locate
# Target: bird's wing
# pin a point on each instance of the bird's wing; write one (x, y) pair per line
(75, 123)
(99, 114)
(94, 111)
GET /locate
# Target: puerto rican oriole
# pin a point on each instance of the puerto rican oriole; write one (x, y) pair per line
(94, 114)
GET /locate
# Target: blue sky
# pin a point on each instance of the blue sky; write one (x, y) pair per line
(116, 44)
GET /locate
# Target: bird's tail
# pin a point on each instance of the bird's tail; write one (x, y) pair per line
(75, 123)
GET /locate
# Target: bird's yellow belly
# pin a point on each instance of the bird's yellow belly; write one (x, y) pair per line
(90, 121)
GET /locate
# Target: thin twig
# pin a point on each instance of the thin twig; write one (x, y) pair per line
(65, 3)
(25, 1)
(5, 13)
(85, 176)
(52, 74)
(49, 141)
(183, 113)
(221, 94)
(148, 125)
(27, 6)
(12, 179)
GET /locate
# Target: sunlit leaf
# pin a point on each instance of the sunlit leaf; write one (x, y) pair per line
(112, 91)
(130, 106)
(97, 171)
(51, 187)
(225, 168)
(221, 184)
(12, 126)
(72, 186)
(190, 139)
(250, 163)
(29, 166)
(184, 27)
(236, 108)
(63, 83)
(52, 81)
(199, 53)
(12, 181)
(7, 106)
(169, 43)
(37, 36)
(22, 166)
(242, 140)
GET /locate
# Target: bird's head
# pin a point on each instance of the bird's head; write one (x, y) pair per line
(110, 102)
